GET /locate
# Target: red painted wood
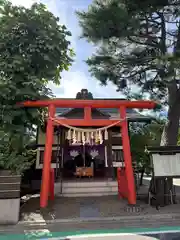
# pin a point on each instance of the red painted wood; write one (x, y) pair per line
(47, 159)
(73, 103)
(127, 159)
(87, 114)
(122, 183)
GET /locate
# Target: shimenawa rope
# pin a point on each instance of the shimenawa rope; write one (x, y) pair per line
(83, 129)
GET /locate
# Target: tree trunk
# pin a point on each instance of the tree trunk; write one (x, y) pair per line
(171, 128)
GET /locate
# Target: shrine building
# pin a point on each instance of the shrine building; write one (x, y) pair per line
(86, 158)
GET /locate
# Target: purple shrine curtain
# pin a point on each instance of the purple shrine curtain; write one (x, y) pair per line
(96, 151)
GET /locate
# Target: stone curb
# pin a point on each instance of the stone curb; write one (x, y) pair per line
(104, 219)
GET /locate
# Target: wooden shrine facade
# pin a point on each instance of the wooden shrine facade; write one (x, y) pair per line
(112, 144)
(107, 154)
(113, 147)
(84, 122)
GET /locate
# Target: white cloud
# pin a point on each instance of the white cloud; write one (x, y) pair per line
(73, 81)
(25, 3)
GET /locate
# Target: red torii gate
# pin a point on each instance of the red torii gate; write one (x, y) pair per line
(122, 105)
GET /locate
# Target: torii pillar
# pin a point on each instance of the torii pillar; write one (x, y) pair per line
(47, 157)
(127, 158)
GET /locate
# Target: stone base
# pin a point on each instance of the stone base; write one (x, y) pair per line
(9, 211)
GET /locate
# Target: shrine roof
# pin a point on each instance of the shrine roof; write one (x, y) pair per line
(132, 114)
(110, 113)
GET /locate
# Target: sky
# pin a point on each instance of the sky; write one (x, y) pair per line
(78, 76)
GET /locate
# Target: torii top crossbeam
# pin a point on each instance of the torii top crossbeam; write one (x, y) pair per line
(76, 103)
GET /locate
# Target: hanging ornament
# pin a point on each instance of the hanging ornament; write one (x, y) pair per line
(106, 134)
(74, 136)
(88, 137)
(92, 135)
(100, 137)
(69, 134)
(96, 137)
(83, 138)
(78, 137)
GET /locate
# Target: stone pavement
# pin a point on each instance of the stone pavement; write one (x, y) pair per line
(91, 207)
(87, 207)
(79, 207)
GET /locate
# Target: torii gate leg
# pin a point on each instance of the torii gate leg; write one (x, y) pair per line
(47, 159)
(127, 158)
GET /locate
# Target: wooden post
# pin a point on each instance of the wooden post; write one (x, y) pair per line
(127, 158)
(47, 158)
